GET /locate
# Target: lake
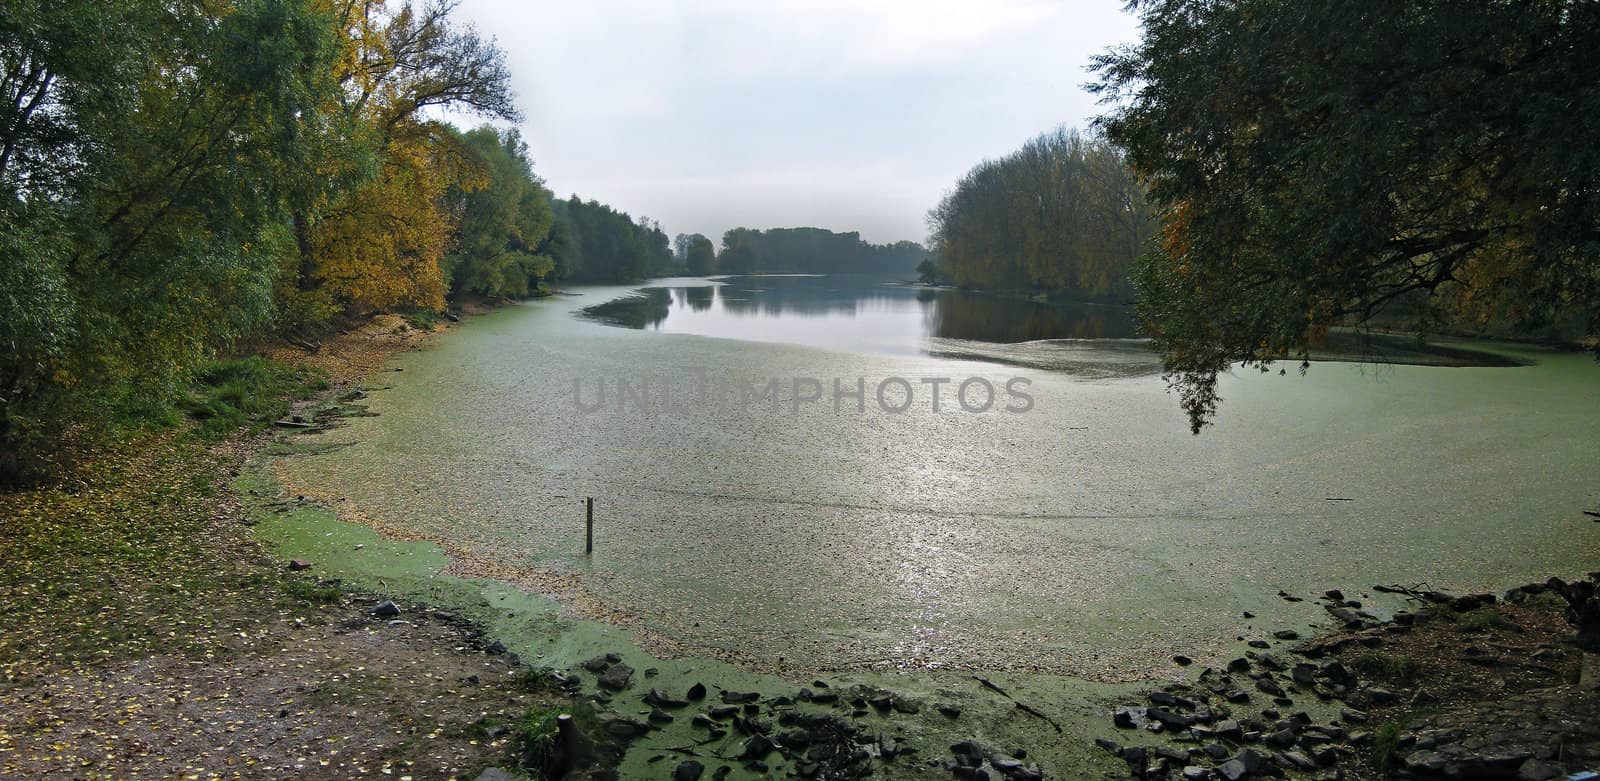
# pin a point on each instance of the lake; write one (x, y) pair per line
(744, 510)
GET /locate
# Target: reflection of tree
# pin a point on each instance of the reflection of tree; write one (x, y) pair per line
(699, 299)
(952, 314)
(805, 296)
(644, 308)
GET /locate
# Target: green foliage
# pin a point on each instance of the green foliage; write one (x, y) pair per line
(1333, 163)
(700, 256)
(1063, 214)
(813, 251)
(1397, 670)
(538, 732)
(245, 394)
(147, 168)
(1386, 743)
(593, 242)
(501, 223)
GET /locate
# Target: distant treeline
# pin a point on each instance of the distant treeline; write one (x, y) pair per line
(177, 178)
(1062, 215)
(796, 251)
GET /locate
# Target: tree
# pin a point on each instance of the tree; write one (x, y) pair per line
(700, 256)
(814, 251)
(1320, 164)
(152, 153)
(1063, 214)
(500, 224)
(379, 242)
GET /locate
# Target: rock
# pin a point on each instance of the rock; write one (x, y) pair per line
(596, 664)
(902, 705)
(757, 747)
(1195, 773)
(1109, 745)
(616, 677)
(1259, 644)
(1229, 730)
(296, 565)
(1182, 661)
(1283, 738)
(1136, 756)
(1304, 674)
(1232, 770)
(624, 728)
(1006, 765)
(1269, 686)
(688, 771)
(1169, 719)
(1286, 634)
(1539, 770)
(739, 698)
(659, 716)
(1124, 718)
(495, 774)
(1351, 618)
(1334, 594)
(1240, 665)
(1425, 762)
(385, 609)
(697, 692)
(968, 753)
(1377, 696)
(949, 711)
(1299, 761)
(656, 698)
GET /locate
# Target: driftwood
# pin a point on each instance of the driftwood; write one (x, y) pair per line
(295, 424)
(990, 685)
(1592, 514)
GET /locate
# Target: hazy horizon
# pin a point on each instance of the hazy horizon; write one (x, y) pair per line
(707, 116)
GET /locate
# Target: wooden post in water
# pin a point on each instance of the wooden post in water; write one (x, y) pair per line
(588, 526)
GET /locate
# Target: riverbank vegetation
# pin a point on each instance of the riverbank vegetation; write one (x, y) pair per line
(813, 251)
(1326, 164)
(181, 180)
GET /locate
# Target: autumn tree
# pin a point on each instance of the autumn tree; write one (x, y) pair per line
(1320, 164)
(380, 243)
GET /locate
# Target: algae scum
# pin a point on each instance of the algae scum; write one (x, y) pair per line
(1089, 538)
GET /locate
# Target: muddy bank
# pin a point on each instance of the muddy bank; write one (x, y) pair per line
(1478, 686)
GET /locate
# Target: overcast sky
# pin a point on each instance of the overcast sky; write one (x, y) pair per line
(848, 115)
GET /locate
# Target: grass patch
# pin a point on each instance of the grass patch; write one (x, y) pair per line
(245, 394)
(1398, 670)
(1386, 743)
(1480, 620)
(307, 590)
(422, 319)
(538, 732)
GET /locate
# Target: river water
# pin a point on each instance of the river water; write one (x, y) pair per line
(749, 506)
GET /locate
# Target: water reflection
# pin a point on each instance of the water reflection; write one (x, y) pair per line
(856, 312)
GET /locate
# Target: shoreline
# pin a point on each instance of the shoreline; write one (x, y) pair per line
(572, 661)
